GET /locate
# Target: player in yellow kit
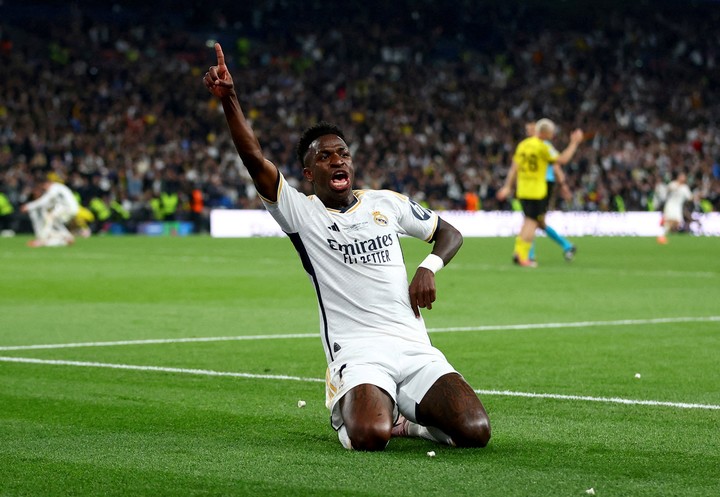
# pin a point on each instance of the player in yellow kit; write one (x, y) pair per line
(529, 170)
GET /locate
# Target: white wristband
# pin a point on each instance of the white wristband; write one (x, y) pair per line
(433, 263)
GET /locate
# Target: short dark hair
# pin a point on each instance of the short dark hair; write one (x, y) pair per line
(313, 133)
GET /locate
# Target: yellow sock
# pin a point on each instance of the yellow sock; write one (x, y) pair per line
(522, 249)
(516, 250)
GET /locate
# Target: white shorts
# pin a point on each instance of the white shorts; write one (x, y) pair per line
(405, 370)
(673, 213)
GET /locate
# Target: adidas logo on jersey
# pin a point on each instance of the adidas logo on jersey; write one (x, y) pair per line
(334, 227)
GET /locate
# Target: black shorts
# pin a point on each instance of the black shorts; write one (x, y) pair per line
(550, 187)
(534, 209)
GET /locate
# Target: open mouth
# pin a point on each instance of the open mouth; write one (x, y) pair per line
(340, 180)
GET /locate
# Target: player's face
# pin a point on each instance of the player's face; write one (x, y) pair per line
(328, 166)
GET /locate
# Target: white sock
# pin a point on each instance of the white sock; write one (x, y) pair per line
(344, 438)
(55, 240)
(428, 433)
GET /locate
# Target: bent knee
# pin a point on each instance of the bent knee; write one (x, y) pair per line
(371, 437)
(475, 433)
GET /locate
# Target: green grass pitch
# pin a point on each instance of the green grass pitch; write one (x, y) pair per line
(133, 409)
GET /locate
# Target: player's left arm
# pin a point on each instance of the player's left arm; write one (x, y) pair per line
(447, 242)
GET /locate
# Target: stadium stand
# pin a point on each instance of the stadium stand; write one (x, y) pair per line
(108, 96)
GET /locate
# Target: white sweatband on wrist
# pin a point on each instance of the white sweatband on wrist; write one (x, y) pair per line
(433, 263)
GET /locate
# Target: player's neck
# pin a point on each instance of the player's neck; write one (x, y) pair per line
(339, 202)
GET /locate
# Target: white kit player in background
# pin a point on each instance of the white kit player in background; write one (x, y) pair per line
(384, 378)
(50, 213)
(676, 194)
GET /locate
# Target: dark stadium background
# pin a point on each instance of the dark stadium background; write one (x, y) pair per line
(434, 95)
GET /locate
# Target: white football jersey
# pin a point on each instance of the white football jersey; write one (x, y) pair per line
(677, 195)
(355, 263)
(59, 197)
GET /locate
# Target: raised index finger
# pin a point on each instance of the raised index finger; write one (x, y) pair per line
(220, 54)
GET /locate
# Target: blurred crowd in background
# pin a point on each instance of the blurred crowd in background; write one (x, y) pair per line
(433, 98)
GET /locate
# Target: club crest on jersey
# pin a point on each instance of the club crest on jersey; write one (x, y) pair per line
(380, 218)
(419, 211)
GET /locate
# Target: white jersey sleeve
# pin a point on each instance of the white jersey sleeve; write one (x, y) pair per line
(414, 219)
(43, 200)
(291, 208)
(56, 196)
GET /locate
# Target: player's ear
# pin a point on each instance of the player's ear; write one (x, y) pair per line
(307, 172)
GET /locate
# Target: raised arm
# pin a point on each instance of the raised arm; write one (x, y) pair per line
(576, 137)
(448, 241)
(263, 172)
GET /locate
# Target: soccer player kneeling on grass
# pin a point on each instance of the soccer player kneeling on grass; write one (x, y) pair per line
(384, 378)
(50, 213)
